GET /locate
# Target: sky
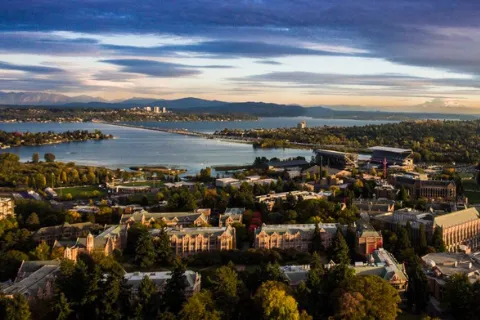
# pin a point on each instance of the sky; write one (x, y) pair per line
(415, 55)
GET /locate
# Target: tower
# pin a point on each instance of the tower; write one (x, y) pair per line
(385, 168)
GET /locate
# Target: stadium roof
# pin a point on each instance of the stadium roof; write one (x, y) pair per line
(390, 149)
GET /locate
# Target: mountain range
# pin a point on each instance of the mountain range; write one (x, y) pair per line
(260, 109)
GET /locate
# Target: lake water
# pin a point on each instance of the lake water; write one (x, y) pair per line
(139, 147)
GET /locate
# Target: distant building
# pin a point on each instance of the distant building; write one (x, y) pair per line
(336, 159)
(386, 191)
(294, 236)
(6, 208)
(383, 264)
(421, 187)
(393, 156)
(105, 243)
(35, 280)
(231, 216)
(170, 219)
(271, 198)
(51, 193)
(189, 241)
(148, 109)
(302, 125)
(64, 231)
(156, 109)
(193, 280)
(374, 206)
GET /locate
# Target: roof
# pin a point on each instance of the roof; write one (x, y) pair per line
(159, 278)
(450, 263)
(455, 218)
(384, 265)
(28, 267)
(33, 282)
(181, 216)
(210, 231)
(295, 228)
(235, 211)
(296, 273)
(81, 225)
(389, 149)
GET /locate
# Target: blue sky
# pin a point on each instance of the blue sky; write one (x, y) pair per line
(415, 54)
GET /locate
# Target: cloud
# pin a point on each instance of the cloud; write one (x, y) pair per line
(271, 62)
(29, 68)
(153, 68)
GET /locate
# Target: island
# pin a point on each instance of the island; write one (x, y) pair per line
(17, 139)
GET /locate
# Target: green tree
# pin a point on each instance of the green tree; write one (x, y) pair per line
(340, 252)
(417, 290)
(15, 308)
(35, 157)
(49, 157)
(456, 297)
(33, 222)
(146, 299)
(275, 302)
(61, 308)
(225, 289)
(199, 307)
(317, 245)
(163, 249)
(145, 251)
(437, 240)
(41, 252)
(366, 297)
(422, 240)
(107, 302)
(174, 294)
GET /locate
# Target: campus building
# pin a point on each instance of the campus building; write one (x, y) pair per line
(193, 280)
(294, 236)
(392, 156)
(34, 280)
(189, 241)
(64, 231)
(6, 208)
(231, 216)
(460, 228)
(421, 187)
(271, 198)
(170, 219)
(368, 240)
(105, 243)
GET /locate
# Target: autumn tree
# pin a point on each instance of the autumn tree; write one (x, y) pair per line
(200, 306)
(275, 302)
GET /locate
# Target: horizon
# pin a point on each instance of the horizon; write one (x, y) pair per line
(361, 54)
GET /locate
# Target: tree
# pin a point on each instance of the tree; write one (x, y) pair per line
(456, 296)
(317, 244)
(174, 294)
(107, 302)
(422, 240)
(33, 222)
(15, 308)
(366, 297)
(163, 249)
(340, 252)
(199, 307)
(35, 157)
(145, 303)
(49, 157)
(226, 289)
(275, 303)
(61, 307)
(145, 251)
(42, 251)
(417, 290)
(437, 240)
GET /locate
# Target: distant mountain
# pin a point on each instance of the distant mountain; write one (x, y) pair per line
(41, 98)
(259, 109)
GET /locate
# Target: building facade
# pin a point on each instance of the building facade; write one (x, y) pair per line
(189, 241)
(421, 187)
(231, 216)
(170, 219)
(64, 231)
(294, 236)
(460, 228)
(7, 208)
(193, 280)
(368, 240)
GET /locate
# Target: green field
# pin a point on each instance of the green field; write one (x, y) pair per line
(79, 192)
(472, 191)
(153, 184)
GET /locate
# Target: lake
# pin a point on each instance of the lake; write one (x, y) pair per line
(139, 147)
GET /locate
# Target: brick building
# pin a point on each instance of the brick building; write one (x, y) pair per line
(460, 228)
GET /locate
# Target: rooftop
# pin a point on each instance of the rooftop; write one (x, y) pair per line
(390, 149)
(455, 218)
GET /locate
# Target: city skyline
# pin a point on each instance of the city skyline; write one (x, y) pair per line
(358, 53)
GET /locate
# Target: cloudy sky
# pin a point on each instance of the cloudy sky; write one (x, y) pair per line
(423, 53)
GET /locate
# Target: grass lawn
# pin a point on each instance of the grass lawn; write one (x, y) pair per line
(472, 190)
(153, 184)
(77, 192)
